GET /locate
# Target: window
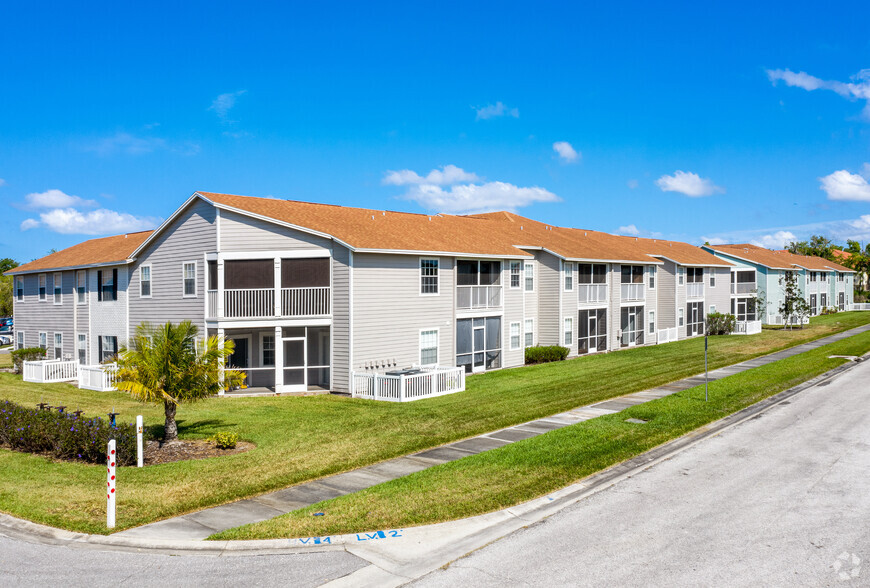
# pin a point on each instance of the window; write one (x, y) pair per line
(41, 287)
(267, 350)
(680, 275)
(57, 283)
(712, 309)
(82, 349)
(569, 277)
(145, 281)
(631, 274)
(652, 322)
(695, 275)
(43, 340)
(591, 283)
(515, 335)
(108, 348)
(813, 276)
(652, 277)
(569, 331)
(19, 288)
(530, 332)
(189, 276)
(529, 267)
(81, 285)
(680, 324)
(107, 285)
(712, 279)
(429, 276)
(429, 347)
(515, 274)
(19, 340)
(58, 345)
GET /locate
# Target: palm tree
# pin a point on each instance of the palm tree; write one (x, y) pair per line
(169, 364)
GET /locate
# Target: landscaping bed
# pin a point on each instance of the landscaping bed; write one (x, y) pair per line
(181, 450)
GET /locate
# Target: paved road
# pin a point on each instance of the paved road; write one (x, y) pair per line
(775, 501)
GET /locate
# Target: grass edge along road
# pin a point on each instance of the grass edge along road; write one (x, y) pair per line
(301, 439)
(528, 469)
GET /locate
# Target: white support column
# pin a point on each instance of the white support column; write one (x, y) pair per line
(220, 287)
(220, 334)
(277, 286)
(279, 360)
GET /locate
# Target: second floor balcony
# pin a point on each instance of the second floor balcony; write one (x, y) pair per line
(632, 292)
(261, 302)
(478, 297)
(591, 293)
(695, 290)
(743, 287)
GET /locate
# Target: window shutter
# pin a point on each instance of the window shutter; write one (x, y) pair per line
(99, 284)
(100, 348)
(115, 284)
(115, 344)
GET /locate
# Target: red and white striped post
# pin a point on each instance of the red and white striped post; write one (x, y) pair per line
(110, 493)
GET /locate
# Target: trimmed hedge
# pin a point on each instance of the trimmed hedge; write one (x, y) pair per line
(64, 435)
(544, 354)
(26, 354)
(720, 324)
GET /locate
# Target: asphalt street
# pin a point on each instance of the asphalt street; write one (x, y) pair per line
(780, 500)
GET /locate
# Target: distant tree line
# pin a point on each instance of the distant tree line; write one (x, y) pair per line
(858, 258)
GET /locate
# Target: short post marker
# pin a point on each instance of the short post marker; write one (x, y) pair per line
(110, 484)
(139, 431)
(706, 372)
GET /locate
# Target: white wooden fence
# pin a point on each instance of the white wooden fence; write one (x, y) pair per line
(666, 335)
(861, 306)
(47, 371)
(97, 377)
(428, 383)
(747, 327)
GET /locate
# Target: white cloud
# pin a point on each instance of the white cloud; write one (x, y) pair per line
(2, 182)
(224, 103)
(841, 185)
(629, 230)
(449, 174)
(95, 222)
(566, 151)
(632, 184)
(126, 143)
(495, 110)
(474, 198)
(857, 89)
(688, 183)
(777, 240)
(55, 199)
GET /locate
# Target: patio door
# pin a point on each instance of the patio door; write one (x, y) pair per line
(842, 301)
(478, 343)
(294, 347)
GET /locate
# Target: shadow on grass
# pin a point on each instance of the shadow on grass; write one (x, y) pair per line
(204, 428)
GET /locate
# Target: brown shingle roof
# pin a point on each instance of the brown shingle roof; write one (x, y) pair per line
(105, 250)
(778, 259)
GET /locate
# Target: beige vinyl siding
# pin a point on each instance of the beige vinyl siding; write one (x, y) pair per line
(569, 309)
(666, 284)
(720, 295)
(613, 311)
(512, 298)
(650, 304)
(244, 233)
(681, 303)
(108, 317)
(340, 371)
(389, 312)
(549, 287)
(188, 238)
(33, 316)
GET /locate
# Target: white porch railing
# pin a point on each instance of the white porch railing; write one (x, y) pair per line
(312, 301)
(97, 377)
(695, 290)
(249, 303)
(477, 297)
(632, 292)
(743, 287)
(747, 328)
(47, 371)
(861, 306)
(591, 293)
(666, 335)
(776, 319)
(212, 301)
(428, 383)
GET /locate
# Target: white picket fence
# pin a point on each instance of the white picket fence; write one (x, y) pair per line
(428, 383)
(747, 328)
(50, 371)
(97, 377)
(861, 306)
(666, 335)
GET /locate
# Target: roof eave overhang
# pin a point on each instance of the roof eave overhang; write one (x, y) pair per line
(14, 272)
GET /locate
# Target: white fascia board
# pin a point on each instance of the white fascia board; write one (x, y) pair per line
(692, 264)
(70, 267)
(622, 261)
(751, 261)
(444, 253)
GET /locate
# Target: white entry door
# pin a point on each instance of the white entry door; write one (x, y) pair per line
(294, 375)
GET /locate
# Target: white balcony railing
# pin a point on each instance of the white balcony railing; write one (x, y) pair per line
(666, 335)
(591, 293)
(478, 297)
(312, 301)
(249, 303)
(860, 306)
(260, 302)
(695, 290)
(747, 327)
(428, 383)
(631, 292)
(743, 287)
(97, 377)
(50, 370)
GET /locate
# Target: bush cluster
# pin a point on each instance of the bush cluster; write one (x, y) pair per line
(224, 440)
(545, 353)
(720, 324)
(830, 310)
(64, 435)
(28, 354)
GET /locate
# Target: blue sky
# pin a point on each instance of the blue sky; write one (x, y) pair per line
(735, 123)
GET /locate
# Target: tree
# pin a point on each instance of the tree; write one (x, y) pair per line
(793, 306)
(6, 284)
(818, 245)
(169, 364)
(757, 305)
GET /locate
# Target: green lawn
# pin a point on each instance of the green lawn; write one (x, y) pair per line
(6, 358)
(519, 472)
(300, 439)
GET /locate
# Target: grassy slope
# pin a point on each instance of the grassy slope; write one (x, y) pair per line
(527, 469)
(300, 439)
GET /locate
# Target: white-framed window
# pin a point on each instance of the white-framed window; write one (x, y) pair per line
(680, 275)
(19, 288)
(516, 270)
(682, 317)
(58, 345)
(813, 276)
(43, 340)
(108, 347)
(712, 308)
(515, 336)
(712, 278)
(82, 348)
(189, 279)
(267, 349)
(529, 269)
(530, 333)
(429, 347)
(19, 340)
(107, 284)
(41, 279)
(81, 285)
(145, 281)
(652, 322)
(652, 277)
(569, 276)
(428, 276)
(57, 285)
(568, 332)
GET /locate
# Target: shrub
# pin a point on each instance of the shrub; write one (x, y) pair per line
(64, 435)
(224, 440)
(28, 354)
(544, 354)
(720, 324)
(830, 310)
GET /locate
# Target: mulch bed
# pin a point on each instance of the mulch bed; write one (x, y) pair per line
(184, 450)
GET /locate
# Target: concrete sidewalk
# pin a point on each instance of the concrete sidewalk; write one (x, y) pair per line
(201, 524)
